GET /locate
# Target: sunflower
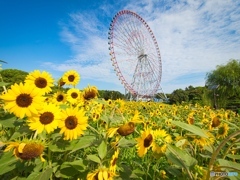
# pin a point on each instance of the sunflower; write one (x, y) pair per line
(202, 141)
(46, 119)
(160, 141)
(168, 122)
(113, 161)
(71, 78)
(73, 122)
(136, 118)
(215, 122)
(23, 99)
(102, 173)
(222, 131)
(59, 98)
(73, 95)
(123, 130)
(162, 174)
(114, 144)
(126, 129)
(26, 150)
(95, 115)
(90, 92)
(109, 102)
(60, 82)
(42, 80)
(144, 142)
(190, 119)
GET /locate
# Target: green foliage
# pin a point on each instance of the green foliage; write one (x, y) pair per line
(178, 96)
(12, 76)
(194, 129)
(195, 94)
(106, 94)
(228, 78)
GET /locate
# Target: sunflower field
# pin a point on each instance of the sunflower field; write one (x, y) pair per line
(73, 134)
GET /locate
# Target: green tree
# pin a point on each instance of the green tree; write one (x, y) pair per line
(106, 94)
(195, 94)
(178, 96)
(228, 78)
(12, 76)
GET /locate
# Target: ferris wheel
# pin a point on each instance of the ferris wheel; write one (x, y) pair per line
(135, 54)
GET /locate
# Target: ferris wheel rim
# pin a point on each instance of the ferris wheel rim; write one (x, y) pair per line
(113, 55)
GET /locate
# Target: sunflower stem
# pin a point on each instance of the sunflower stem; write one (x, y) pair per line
(35, 134)
(49, 157)
(229, 147)
(93, 129)
(214, 155)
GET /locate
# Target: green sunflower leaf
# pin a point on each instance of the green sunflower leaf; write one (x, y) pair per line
(180, 157)
(9, 121)
(94, 158)
(45, 174)
(82, 142)
(102, 149)
(3, 84)
(7, 162)
(189, 127)
(233, 156)
(125, 143)
(22, 131)
(70, 169)
(232, 166)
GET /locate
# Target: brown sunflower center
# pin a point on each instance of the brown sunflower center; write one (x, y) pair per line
(74, 95)
(95, 115)
(46, 118)
(148, 141)
(41, 82)
(60, 98)
(30, 151)
(71, 78)
(24, 100)
(71, 122)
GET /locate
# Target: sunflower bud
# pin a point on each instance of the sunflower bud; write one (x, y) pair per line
(126, 129)
(61, 83)
(215, 121)
(190, 120)
(90, 92)
(29, 151)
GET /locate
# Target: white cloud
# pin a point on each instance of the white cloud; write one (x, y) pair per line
(193, 36)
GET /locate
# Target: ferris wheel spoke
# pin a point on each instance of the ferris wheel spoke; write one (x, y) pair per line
(135, 32)
(123, 32)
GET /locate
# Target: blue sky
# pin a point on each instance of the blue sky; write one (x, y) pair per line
(58, 35)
